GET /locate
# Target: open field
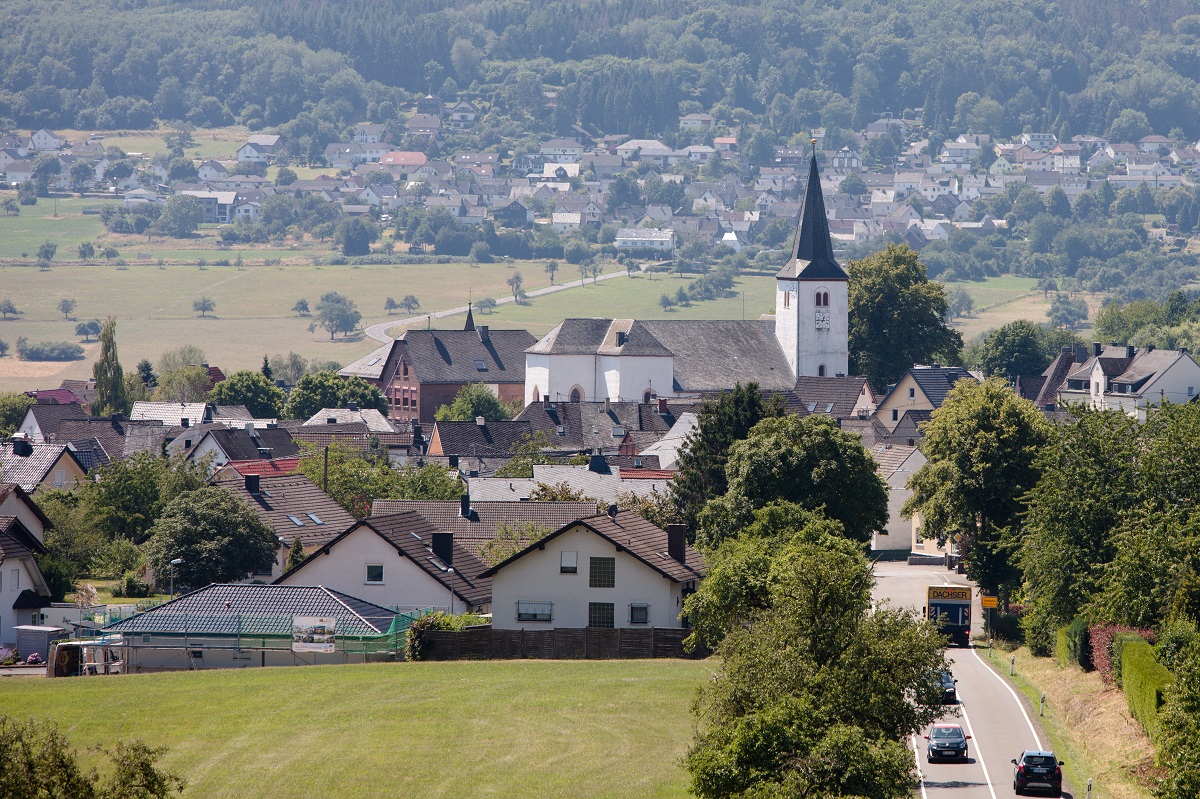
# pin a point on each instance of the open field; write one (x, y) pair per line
(216, 143)
(1088, 726)
(493, 729)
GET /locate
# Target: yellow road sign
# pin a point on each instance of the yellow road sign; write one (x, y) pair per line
(988, 601)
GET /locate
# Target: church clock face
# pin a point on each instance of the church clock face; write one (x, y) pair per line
(821, 319)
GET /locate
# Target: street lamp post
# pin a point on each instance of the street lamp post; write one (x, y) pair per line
(450, 571)
(174, 563)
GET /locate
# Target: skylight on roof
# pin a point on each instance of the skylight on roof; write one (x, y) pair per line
(829, 408)
(316, 519)
(295, 521)
(618, 432)
(374, 361)
(480, 366)
(812, 407)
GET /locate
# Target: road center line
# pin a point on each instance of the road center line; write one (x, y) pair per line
(920, 773)
(1036, 738)
(978, 750)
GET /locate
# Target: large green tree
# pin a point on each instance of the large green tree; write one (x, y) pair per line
(808, 461)
(180, 217)
(474, 400)
(110, 379)
(982, 446)
(326, 390)
(218, 537)
(719, 423)
(13, 406)
(897, 316)
(1018, 348)
(354, 481)
(817, 696)
(261, 397)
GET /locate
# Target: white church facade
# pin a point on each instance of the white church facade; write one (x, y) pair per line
(589, 360)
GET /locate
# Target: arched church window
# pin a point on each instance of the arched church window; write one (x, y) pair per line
(577, 394)
(821, 370)
(818, 299)
(647, 397)
(825, 299)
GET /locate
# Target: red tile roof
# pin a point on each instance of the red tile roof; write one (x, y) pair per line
(277, 467)
(628, 473)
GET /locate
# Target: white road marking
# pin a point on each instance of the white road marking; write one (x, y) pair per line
(920, 773)
(1017, 699)
(978, 751)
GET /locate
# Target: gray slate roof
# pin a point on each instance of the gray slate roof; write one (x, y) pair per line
(31, 470)
(812, 258)
(712, 355)
(600, 337)
(239, 445)
(642, 539)
(831, 396)
(111, 433)
(281, 498)
(588, 425)
(375, 421)
(486, 517)
(50, 417)
(469, 438)
(449, 356)
(222, 609)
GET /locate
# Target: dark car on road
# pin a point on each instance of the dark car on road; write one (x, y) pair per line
(949, 689)
(947, 742)
(1037, 770)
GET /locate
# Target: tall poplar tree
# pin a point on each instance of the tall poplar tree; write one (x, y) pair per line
(110, 379)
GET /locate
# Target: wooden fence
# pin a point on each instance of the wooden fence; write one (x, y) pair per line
(486, 643)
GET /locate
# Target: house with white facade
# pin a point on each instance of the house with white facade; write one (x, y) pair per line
(1131, 379)
(398, 561)
(607, 571)
(24, 595)
(562, 151)
(896, 463)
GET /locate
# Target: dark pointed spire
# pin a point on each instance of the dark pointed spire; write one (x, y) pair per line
(812, 257)
(470, 325)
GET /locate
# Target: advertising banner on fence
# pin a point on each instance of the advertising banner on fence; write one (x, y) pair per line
(313, 634)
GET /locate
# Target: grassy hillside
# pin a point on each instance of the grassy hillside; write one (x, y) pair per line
(495, 729)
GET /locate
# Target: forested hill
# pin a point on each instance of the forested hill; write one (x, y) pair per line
(625, 66)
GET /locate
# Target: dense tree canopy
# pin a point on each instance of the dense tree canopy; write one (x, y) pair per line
(319, 390)
(897, 317)
(474, 400)
(254, 390)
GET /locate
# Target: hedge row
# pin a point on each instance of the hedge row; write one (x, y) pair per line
(1103, 661)
(1079, 650)
(1062, 652)
(1144, 680)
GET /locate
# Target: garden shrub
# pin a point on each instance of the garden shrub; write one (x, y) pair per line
(132, 586)
(1102, 654)
(414, 644)
(1173, 641)
(1062, 652)
(1144, 680)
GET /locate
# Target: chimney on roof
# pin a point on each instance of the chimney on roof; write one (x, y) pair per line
(1149, 348)
(1081, 353)
(253, 484)
(596, 463)
(1097, 348)
(1130, 350)
(606, 405)
(545, 402)
(482, 330)
(677, 542)
(480, 421)
(612, 511)
(114, 418)
(331, 420)
(185, 422)
(22, 446)
(352, 406)
(464, 506)
(443, 547)
(453, 461)
(251, 430)
(662, 406)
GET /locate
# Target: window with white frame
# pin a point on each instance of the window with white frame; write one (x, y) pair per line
(60, 478)
(568, 563)
(374, 572)
(528, 610)
(639, 614)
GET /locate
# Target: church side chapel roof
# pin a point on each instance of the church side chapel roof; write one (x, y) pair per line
(713, 354)
(600, 337)
(812, 258)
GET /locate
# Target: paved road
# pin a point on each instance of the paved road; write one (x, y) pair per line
(999, 720)
(379, 331)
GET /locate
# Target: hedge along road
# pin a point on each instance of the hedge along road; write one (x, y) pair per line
(379, 331)
(990, 711)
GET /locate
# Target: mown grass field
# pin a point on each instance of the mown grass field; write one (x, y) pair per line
(216, 143)
(498, 729)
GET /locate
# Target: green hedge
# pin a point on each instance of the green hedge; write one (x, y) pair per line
(1062, 652)
(1079, 645)
(1119, 641)
(1143, 679)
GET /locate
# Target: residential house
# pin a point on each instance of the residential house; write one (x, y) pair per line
(223, 445)
(478, 438)
(846, 160)
(423, 125)
(399, 561)
(604, 571)
(211, 170)
(430, 105)
(601, 427)
(38, 466)
(922, 388)
(693, 123)
(24, 594)
(646, 240)
(425, 369)
(603, 166)
(401, 162)
(896, 464)
(463, 115)
(369, 133)
(1131, 379)
(41, 421)
(1039, 141)
(47, 140)
(375, 421)
(260, 148)
(561, 151)
(218, 205)
(1155, 144)
(344, 155)
(184, 414)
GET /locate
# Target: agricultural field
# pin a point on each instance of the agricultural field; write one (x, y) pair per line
(215, 143)
(498, 729)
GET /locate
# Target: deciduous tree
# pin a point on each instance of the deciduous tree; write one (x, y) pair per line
(474, 400)
(255, 390)
(110, 379)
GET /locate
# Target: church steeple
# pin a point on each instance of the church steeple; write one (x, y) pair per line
(470, 325)
(812, 257)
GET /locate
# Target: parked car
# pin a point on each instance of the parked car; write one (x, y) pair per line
(947, 742)
(949, 689)
(1037, 770)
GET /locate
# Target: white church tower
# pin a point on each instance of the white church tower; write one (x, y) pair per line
(811, 295)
